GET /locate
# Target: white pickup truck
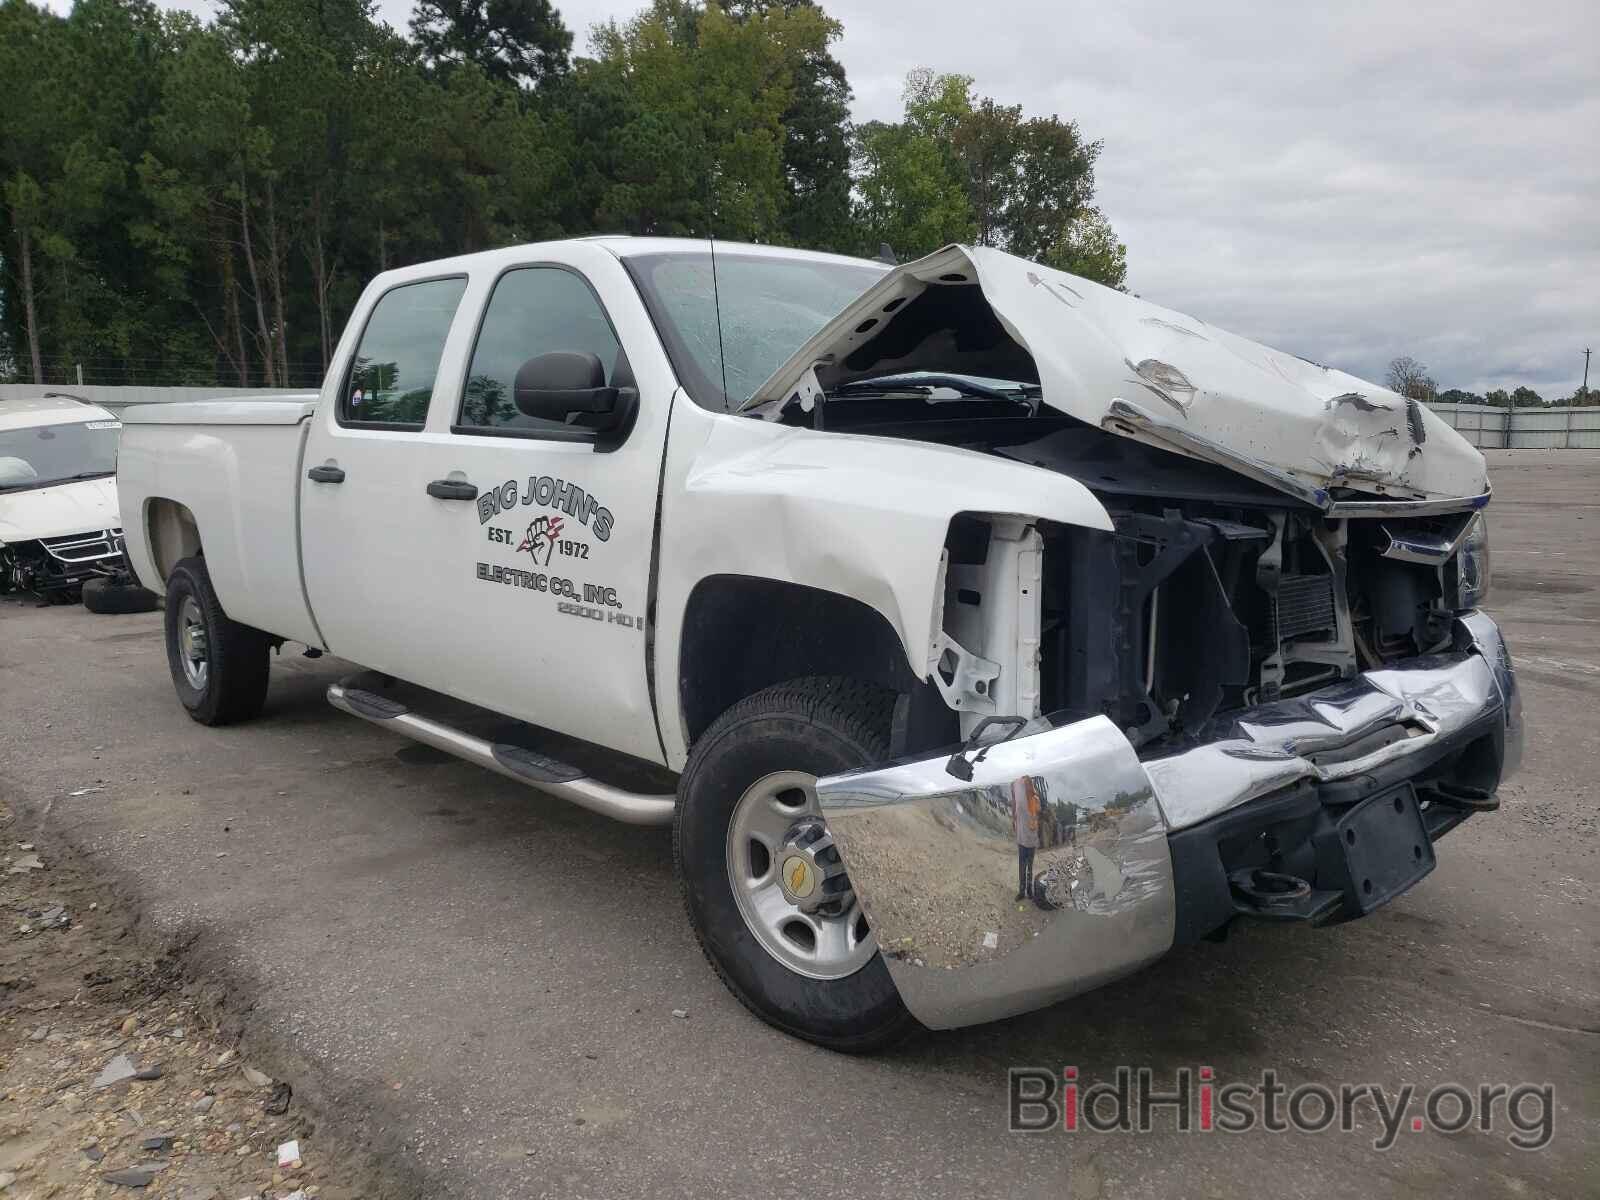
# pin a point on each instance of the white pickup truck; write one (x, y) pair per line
(981, 631)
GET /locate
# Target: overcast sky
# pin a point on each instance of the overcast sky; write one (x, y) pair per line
(1346, 181)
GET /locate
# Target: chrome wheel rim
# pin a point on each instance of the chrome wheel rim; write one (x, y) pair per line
(816, 928)
(193, 650)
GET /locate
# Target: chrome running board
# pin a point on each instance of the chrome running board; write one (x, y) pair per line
(514, 762)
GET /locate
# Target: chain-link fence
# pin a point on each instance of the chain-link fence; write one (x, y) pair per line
(119, 398)
(1493, 428)
(155, 372)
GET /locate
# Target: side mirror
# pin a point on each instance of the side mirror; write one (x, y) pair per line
(566, 386)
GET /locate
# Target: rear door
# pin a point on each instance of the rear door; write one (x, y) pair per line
(366, 522)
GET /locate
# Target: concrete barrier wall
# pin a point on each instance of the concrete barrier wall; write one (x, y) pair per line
(1492, 428)
(118, 398)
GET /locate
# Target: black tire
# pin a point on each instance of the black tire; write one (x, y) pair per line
(818, 726)
(237, 655)
(104, 595)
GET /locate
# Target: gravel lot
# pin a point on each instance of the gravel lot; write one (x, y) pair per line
(478, 983)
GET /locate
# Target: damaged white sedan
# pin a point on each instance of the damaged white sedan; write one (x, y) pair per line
(982, 632)
(59, 527)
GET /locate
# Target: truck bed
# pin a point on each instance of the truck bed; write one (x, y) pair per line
(236, 466)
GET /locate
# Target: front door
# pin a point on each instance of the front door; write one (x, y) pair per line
(551, 563)
(525, 542)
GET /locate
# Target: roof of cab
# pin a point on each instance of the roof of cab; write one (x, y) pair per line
(620, 245)
(52, 408)
(624, 246)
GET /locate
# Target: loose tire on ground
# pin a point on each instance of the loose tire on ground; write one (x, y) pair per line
(228, 680)
(815, 727)
(106, 595)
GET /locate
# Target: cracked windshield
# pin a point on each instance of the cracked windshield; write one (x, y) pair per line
(769, 307)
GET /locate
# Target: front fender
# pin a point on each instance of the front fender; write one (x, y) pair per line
(865, 517)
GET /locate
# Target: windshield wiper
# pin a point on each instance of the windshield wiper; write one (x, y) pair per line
(926, 383)
(34, 485)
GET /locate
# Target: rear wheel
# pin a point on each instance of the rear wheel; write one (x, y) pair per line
(219, 667)
(763, 883)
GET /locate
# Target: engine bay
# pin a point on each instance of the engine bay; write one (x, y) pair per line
(1212, 594)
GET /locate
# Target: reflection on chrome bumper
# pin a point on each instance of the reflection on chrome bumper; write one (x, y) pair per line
(937, 860)
(1418, 704)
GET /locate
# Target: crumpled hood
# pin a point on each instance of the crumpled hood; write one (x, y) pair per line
(1136, 369)
(86, 506)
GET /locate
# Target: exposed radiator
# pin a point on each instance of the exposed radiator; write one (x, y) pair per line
(1305, 605)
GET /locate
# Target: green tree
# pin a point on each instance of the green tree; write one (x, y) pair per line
(515, 41)
(189, 175)
(679, 117)
(817, 134)
(68, 194)
(183, 199)
(911, 196)
(960, 167)
(1088, 246)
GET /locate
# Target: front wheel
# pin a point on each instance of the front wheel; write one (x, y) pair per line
(764, 885)
(219, 667)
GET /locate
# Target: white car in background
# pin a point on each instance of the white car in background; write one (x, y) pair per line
(59, 526)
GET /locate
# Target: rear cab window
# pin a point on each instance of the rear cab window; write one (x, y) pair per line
(390, 380)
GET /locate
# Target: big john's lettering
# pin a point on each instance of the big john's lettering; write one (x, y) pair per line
(548, 492)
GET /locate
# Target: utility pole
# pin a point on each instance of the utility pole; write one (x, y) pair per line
(1584, 391)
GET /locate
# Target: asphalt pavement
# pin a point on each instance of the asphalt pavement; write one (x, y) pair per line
(481, 981)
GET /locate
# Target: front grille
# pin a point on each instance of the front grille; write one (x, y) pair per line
(84, 547)
(1305, 605)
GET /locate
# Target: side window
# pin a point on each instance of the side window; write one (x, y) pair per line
(533, 311)
(397, 360)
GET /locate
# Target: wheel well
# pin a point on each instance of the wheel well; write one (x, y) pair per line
(173, 534)
(742, 634)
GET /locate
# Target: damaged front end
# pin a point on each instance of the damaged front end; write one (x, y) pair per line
(1264, 691)
(1225, 706)
(1119, 363)
(56, 568)
(1190, 610)
(1015, 873)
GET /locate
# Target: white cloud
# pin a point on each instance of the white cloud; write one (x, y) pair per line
(1346, 181)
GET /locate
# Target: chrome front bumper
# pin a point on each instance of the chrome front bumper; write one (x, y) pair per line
(934, 858)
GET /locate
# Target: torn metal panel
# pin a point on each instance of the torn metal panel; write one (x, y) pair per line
(863, 517)
(986, 649)
(1113, 360)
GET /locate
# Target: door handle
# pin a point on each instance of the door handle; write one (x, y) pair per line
(452, 489)
(326, 474)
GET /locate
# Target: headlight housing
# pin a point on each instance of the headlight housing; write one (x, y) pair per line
(1466, 575)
